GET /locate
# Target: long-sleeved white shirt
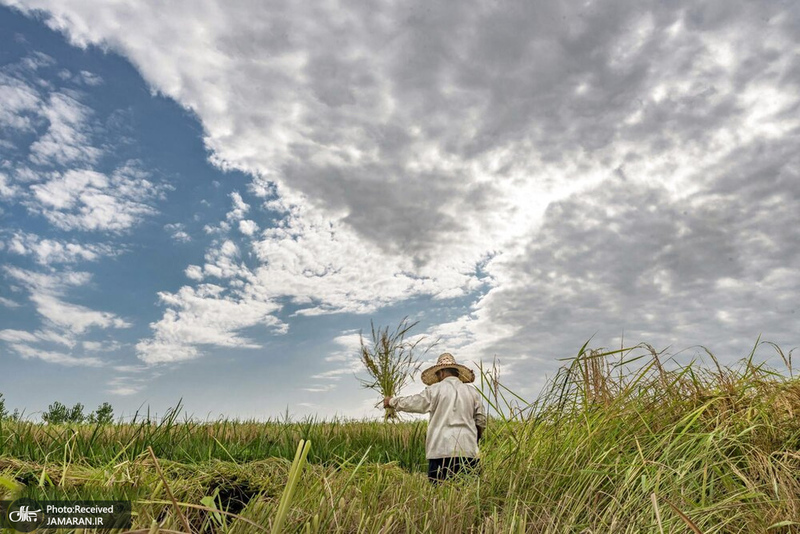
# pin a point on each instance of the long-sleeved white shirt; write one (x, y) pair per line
(455, 413)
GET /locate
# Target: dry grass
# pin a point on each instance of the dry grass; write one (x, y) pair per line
(621, 441)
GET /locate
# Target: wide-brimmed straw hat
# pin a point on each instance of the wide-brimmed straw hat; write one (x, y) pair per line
(447, 361)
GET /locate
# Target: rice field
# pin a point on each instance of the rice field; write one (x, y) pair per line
(622, 441)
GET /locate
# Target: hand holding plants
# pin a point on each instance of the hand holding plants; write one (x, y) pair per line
(390, 361)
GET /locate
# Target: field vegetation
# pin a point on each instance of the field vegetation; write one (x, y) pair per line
(619, 441)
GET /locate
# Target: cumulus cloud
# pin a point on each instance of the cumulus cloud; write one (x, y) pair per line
(178, 232)
(20, 103)
(624, 165)
(53, 143)
(248, 227)
(327, 267)
(56, 283)
(205, 315)
(195, 272)
(387, 177)
(51, 170)
(7, 189)
(51, 251)
(74, 317)
(66, 140)
(713, 268)
(91, 201)
(240, 207)
(306, 259)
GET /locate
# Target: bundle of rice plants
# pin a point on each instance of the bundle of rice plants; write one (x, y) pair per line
(390, 360)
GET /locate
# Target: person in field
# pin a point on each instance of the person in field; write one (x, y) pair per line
(457, 417)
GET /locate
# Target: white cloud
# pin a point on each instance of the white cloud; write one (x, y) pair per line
(54, 174)
(480, 138)
(178, 232)
(55, 283)
(248, 227)
(194, 272)
(326, 265)
(319, 265)
(15, 336)
(90, 78)
(20, 102)
(64, 193)
(124, 391)
(694, 282)
(56, 357)
(7, 189)
(228, 250)
(46, 292)
(157, 350)
(240, 207)
(91, 201)
(51, 171)
(124, 386)
(83, 77)
(206, 315)
(131, 368)
(222, 261)
(324, 388)
(73, 317)
(8, 303)
(52, 336)
(347, 358)
(50, 251)
(64, 323)
(66, 140)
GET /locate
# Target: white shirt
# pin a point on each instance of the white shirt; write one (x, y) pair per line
(455, 413)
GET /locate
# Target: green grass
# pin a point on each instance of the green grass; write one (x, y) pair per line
(618, 442)
(237, 441)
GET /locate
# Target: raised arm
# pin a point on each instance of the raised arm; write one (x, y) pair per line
(419, 403)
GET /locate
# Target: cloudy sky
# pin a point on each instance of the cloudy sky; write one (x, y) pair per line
(208, 200)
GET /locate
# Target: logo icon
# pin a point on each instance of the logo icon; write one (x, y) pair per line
(25, 515)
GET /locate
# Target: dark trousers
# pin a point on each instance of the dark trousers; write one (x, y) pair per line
(444, 468)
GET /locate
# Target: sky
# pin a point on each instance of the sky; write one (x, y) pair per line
(207, 201)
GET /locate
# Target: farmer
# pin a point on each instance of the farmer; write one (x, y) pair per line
(457, 417)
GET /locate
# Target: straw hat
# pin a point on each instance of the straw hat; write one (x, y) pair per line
(446, 361)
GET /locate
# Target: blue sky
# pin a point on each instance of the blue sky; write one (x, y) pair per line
(210, 203)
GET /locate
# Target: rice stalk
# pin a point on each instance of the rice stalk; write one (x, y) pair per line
(390, 361)
(638, 443)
